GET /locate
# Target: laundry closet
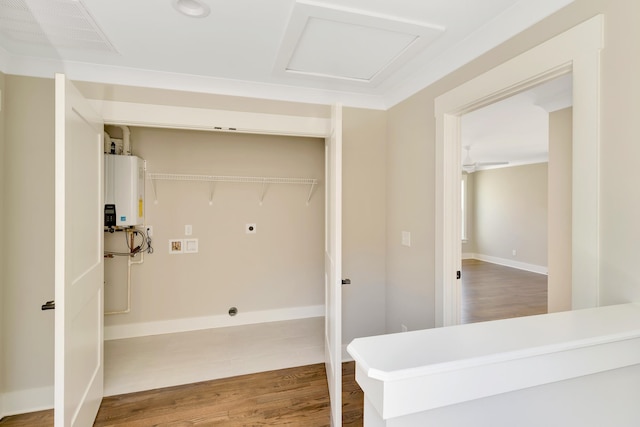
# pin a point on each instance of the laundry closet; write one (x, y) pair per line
(227, 256)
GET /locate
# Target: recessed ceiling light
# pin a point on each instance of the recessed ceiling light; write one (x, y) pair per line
(192, 8)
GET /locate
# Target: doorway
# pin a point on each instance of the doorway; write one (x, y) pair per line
(516, 183)
(577, 51)
(179, 326)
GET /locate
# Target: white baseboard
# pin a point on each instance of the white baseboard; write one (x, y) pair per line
(114, 332)
(468, 255)
(540, 269)
(25, 401)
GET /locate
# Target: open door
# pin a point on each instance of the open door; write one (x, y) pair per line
(78, 258)
(333, 264)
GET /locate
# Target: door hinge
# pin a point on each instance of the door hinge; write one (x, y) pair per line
(458, 274)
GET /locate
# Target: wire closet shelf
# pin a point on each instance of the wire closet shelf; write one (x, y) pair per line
(264, 180)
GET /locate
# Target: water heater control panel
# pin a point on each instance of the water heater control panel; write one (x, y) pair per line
(124, 189)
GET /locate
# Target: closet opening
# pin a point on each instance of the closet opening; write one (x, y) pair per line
(227, 277)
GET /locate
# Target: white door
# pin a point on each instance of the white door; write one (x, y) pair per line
(78, 258)
(333, 264)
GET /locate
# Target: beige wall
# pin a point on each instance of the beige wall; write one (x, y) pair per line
(619, 207)
(28, 174)
(28, 237)
(511, 213)
(2, 298)
(279, 267)
(364, 217)
(410, 196)
(410, 163)
(28, 347)
(469, 246)
(559, 223)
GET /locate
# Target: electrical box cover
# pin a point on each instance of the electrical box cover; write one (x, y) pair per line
(124, 188)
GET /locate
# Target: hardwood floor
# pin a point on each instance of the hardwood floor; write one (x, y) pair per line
(299, 396)
(293, 396)
(492, 292)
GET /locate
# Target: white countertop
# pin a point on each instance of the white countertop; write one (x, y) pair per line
(418, 353)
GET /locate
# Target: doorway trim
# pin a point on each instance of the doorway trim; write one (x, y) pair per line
(575, 51)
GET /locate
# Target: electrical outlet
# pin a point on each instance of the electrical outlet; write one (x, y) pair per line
(188, 230)
(514, 252)
(149, 230)
(250, 228)
(403, 328)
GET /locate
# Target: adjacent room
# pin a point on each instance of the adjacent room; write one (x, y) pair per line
(516, 218)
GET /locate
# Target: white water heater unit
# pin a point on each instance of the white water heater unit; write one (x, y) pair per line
(124, 190)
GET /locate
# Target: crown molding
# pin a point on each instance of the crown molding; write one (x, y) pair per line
(511, 22)
(96, 73)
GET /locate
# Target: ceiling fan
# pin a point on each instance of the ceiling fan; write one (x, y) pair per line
(469, 166)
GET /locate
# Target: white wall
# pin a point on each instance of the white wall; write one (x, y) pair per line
(28, 243)
(559, 224)
(510, 214)
(603, 399)
(278, 268)
(410, 166)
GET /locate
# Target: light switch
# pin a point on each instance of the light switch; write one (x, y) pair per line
(188, 230)
(406, 238)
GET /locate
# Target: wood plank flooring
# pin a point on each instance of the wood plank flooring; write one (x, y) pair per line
(492, 292)
(293, 396)
(299, 396)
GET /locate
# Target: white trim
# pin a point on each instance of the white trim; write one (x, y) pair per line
(511, 22)
(540, 269)
(514, 20)
(132, 330)
(174, 117)
(423, 34)
(108, 74)
(578, 51)
(428, 369)
(25, 401)
(468, 255)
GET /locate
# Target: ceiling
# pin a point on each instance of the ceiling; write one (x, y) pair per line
(363, 53)
(516, 129)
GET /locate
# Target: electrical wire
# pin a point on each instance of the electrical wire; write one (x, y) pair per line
(145, 241)
(138, 236)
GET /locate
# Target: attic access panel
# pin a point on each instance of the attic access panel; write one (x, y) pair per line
(323, 42)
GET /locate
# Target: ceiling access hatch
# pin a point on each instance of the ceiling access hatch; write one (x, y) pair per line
(328, 42)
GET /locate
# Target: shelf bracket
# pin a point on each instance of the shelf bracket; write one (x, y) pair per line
(313, 185)
(264, 188)
(155, 191)
(212, 186)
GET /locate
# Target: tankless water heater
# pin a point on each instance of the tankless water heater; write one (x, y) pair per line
(124, 189)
